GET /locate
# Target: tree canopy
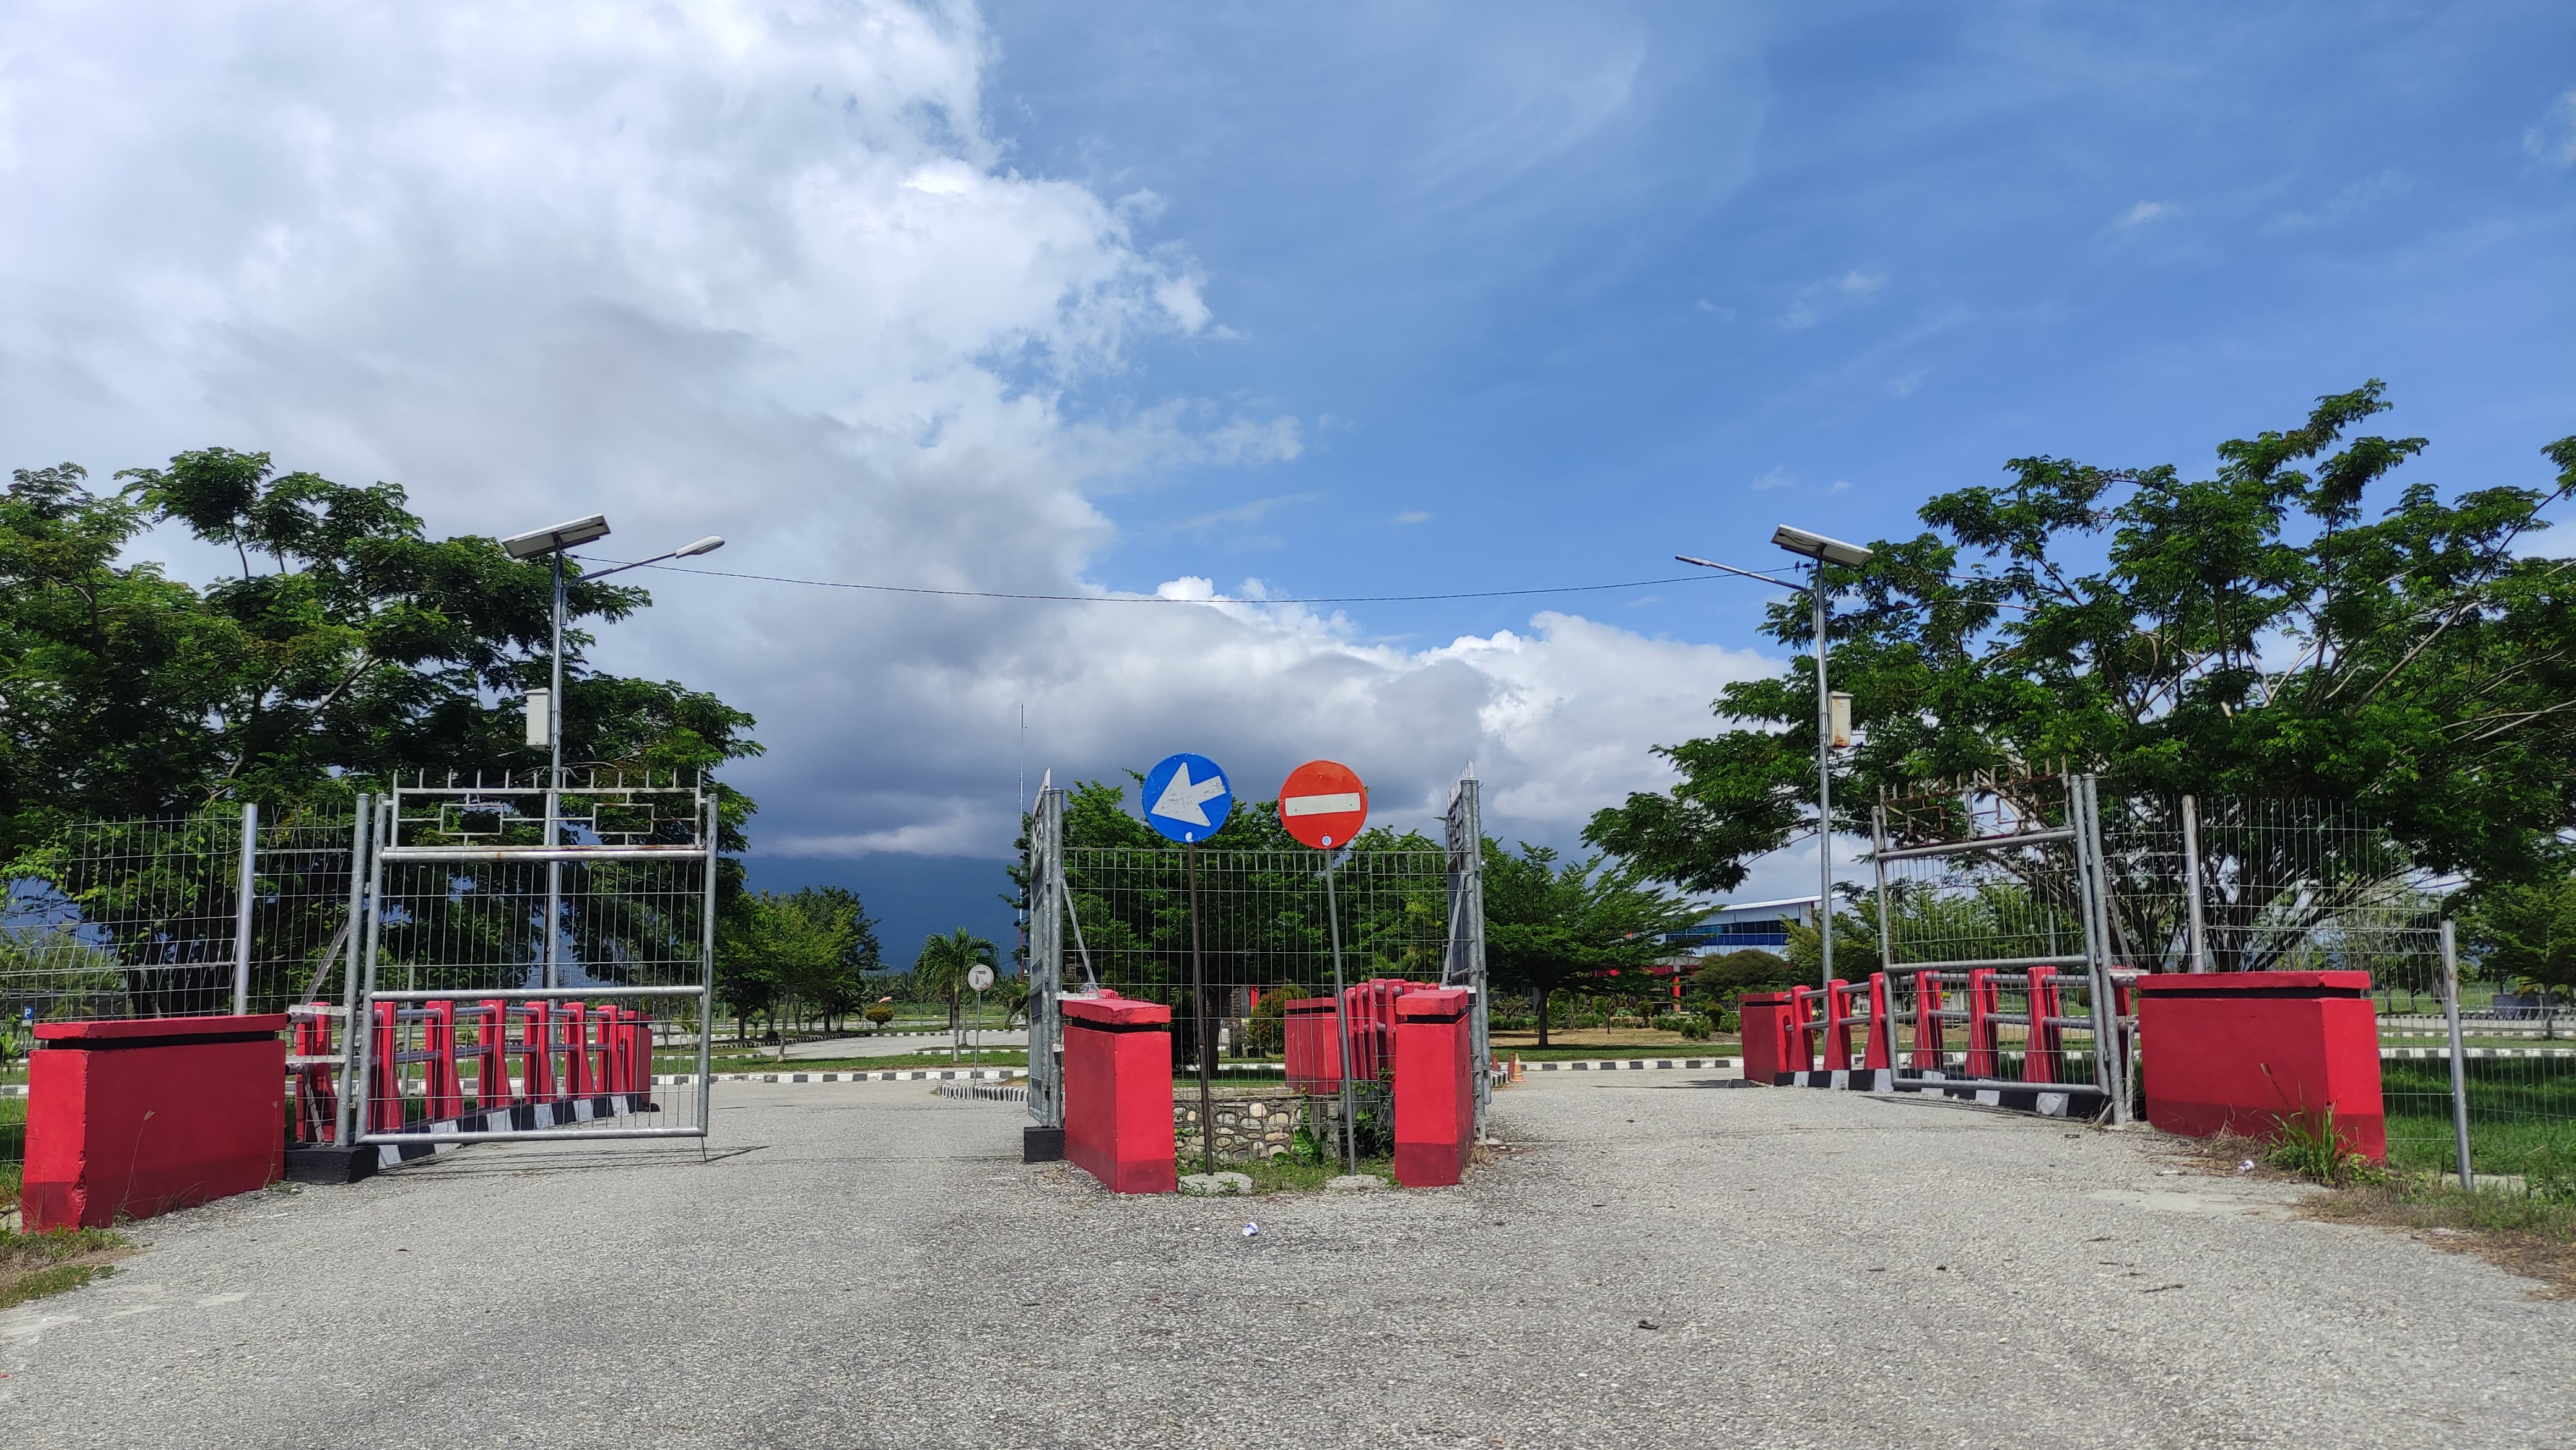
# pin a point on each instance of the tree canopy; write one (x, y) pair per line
(2251, 634)
(1550, 923)
(349, 647)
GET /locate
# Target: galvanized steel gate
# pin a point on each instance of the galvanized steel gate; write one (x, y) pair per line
(532, 947)
(1993, 911)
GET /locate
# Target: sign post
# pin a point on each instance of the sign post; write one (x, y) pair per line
(1323, 805)
(1187, 800)
(979, 977)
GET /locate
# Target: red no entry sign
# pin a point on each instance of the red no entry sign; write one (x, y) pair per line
(1323, 804)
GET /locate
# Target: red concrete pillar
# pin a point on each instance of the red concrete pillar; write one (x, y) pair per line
(2241, 1051)
(1435, 1089)
(136, 1118)
(1118, 1093)
(537, 1057)
(1763, 1018)
(576, 1030)
(2045, 1046)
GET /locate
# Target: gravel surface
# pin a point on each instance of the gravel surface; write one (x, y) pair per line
(1651, 1263)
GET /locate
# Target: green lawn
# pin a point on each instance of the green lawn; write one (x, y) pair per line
(2522, 1115)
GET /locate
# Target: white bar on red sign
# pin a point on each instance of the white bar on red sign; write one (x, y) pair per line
(1320, 805)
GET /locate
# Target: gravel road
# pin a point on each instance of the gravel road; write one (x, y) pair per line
(1655, 1262)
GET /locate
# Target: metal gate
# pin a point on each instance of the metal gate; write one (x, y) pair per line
(1405, 913)
(1995, 932)
(534, 950)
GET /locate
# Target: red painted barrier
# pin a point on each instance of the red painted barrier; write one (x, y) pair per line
(1882, 1035)
(1930, 1039)
(2240, 1051)
(1985, 1000)
(1312, 1050)
(317, 1085)
(1118, 1093)
(491, 1063)
(136, 1118)
(1838, 1025)
(1763, 1018)
(2045, 1047)
(1435, 1090)
(1804, 1004)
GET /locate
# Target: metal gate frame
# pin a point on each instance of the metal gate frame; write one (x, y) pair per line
(387, 847)
(2113, 1035)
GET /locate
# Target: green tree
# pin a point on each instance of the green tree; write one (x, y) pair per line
(1550, 925)
(940, 971)
(1748, 969)
(786, 952)
(2525, 933)
(2251, 634)
(350, 648)
(844, 988)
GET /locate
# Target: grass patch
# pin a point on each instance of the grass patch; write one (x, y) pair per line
(1289, 1173)
(33, 1266)
(2521, 1233)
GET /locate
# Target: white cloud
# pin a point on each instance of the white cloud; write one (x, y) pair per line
(2145, 212)
(1413, 516)
(2552, 141)
(758, 271)
(1773, 478)
(2353, 198)
(1904, 384)
(1808, 305)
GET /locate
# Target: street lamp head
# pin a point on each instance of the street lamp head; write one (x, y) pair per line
(537, 543)
(1817, 546)
(707, 545)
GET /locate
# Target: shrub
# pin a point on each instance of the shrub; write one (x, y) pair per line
(880, 1014)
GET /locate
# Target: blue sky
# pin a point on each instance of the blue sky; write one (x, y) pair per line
(1343, 300)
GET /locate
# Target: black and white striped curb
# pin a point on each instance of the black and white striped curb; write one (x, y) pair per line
(913, 1074)
(1629, 1064)
(2059, 1102)
(984, 1092)
(521, 1118)
(2443, 1054)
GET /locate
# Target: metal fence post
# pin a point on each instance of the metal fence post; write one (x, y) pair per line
(246, 882)
(2459, 1058)
(362, 830)
(2110, 1047)
(2196, 927)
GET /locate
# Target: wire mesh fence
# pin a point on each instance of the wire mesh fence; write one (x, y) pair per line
(149, 918)
(1261, 941)
(2218, 885)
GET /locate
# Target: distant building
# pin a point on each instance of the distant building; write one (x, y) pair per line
(1761, 925)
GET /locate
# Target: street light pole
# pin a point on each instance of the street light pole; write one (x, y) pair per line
(1824, 784)
(552, 542)
(1820, 551)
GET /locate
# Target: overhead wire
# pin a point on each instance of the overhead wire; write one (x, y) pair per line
(1164, 598)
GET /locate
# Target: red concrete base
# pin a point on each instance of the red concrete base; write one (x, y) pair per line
(1435, 1087)
(131, 1119)
(2241, 1051)
(1764, 1020)
(1118, 1093)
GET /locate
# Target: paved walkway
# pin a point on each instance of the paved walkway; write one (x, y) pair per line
(1656, 1263)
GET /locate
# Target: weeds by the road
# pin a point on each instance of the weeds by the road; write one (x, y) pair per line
(35, 1265)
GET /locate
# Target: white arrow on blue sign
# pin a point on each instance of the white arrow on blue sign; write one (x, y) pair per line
(1186, 798)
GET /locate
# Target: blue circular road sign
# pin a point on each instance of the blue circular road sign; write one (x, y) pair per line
(1187, 798)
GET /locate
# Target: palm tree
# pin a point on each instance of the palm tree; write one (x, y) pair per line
(942, 966)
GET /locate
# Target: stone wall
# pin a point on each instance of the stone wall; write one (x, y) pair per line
(1246, 1127)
